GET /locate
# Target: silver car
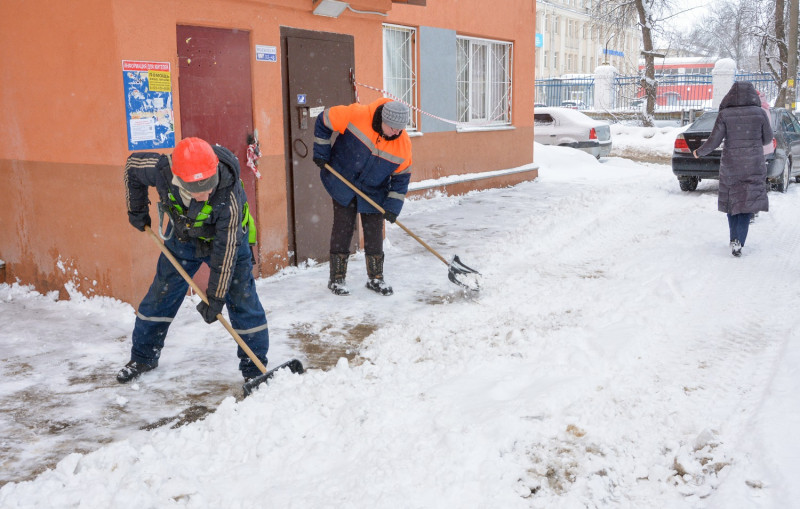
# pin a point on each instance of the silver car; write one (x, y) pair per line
(571, 128)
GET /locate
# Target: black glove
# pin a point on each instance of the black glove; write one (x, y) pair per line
(211, 310)
(139, 219)
(390, 216)
(320, 162)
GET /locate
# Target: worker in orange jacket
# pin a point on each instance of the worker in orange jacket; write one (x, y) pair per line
(373, 152)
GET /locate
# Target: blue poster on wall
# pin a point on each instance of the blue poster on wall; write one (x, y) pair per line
(148, 105)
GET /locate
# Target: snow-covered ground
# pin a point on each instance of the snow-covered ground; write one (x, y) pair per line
(617, 355)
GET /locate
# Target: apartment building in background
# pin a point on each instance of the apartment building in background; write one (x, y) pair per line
(570, 42)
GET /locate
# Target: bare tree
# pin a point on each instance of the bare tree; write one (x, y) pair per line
(775, 50)
(731, 29)
(694, 41)
(751, 32)
(754, 33)
(616, 16)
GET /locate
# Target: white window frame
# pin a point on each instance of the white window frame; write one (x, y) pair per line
(484, 81)
(400, 66)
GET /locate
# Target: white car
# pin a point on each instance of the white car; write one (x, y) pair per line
(574, 104)
(571, 128)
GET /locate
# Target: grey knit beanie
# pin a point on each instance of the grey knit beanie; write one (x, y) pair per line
(395, 115)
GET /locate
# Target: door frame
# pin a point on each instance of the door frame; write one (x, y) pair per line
(289, 116)
(249, 181)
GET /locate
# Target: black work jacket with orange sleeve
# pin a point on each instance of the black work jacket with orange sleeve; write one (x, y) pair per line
(380, 168)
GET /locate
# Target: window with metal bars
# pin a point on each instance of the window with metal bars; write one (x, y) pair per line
(399, 65)
(484, 81)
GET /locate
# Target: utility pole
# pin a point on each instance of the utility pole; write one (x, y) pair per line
(791, 90)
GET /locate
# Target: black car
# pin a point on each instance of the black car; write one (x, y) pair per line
(780, 170)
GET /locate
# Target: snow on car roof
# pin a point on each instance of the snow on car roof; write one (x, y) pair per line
(569, 113)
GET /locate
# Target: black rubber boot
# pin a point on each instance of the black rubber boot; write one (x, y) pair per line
(336, 283)
(132, 370)
(375, 275)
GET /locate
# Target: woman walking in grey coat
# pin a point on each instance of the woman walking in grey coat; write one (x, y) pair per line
(741, 123)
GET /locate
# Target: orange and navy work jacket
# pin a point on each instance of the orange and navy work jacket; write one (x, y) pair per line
(378, 167)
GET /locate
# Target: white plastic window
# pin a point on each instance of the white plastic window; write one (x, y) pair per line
(484, 81)
(399, 65)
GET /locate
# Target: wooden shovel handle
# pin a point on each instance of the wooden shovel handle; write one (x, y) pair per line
(198, 291)
(381, 210)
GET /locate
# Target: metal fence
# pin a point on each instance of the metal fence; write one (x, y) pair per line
(763, 83)
(676, 92)
(554, 91)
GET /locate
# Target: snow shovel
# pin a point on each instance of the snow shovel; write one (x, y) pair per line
(457, 272)
(295, 365)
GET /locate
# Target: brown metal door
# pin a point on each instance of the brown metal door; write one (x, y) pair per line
(214, 86)
(317, 67)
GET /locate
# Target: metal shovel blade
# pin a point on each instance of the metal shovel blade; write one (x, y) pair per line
(294, 365)
(462, 275)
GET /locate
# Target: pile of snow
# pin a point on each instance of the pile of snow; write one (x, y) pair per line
(654, 144)
(617, 355)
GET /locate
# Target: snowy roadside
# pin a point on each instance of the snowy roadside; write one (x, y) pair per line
(617, 356)
(643, 144)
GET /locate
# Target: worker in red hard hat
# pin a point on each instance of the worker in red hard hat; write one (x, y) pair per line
(200, 192)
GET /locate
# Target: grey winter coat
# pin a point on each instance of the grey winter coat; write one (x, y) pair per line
(741, 123)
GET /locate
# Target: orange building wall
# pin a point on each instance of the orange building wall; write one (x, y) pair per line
(63, 138)
(453, 153)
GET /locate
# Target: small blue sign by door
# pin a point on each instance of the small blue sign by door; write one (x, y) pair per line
(266, 53)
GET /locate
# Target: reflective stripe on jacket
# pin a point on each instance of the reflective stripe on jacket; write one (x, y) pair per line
(379, 168)
(223, 225)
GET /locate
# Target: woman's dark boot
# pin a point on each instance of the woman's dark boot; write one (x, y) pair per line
(336, 283)
(375, 275)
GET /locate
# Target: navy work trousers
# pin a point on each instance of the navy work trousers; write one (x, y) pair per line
(161, 304)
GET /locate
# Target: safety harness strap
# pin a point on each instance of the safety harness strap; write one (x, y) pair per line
(248, 221)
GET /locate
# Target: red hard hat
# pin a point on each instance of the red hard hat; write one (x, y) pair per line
(193, 159)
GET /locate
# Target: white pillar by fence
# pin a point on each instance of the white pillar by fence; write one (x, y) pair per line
(604, 97)
(722, 77)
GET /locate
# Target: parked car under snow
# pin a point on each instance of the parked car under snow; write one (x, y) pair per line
(780, 164)
(574, 104)
(571, 128)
